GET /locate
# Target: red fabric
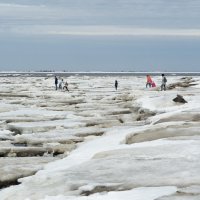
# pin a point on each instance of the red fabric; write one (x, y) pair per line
(153, 84)
(149, 79)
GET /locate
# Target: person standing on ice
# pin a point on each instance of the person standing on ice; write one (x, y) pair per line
(66, 86)
(149, 81)
(164, 81)
(116, 84)
(61, 83)
(56, 82)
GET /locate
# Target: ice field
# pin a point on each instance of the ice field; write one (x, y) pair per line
(96, 143)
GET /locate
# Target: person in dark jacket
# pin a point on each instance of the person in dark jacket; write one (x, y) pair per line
(116, 84)
(56, 82)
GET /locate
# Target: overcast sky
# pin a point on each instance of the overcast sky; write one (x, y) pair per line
(100, 35)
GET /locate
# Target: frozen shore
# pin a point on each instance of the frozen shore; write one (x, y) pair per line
(97, 143)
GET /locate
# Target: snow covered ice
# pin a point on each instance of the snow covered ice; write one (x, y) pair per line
(97, 143)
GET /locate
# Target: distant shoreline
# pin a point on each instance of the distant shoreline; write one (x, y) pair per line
(64, 74)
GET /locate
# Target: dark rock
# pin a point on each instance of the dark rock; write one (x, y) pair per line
(179, 99)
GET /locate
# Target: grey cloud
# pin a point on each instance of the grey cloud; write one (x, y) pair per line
(50, 33)
(137, 13)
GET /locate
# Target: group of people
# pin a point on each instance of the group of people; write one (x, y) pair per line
(59, 84)
(150, 83)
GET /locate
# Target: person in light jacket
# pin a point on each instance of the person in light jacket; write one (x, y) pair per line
(164, 81)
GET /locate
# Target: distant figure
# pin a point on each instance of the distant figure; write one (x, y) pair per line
(164, 81)
(149, 81)
(66, 86)
(61, 83)
(56, 82)
(116, 84)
